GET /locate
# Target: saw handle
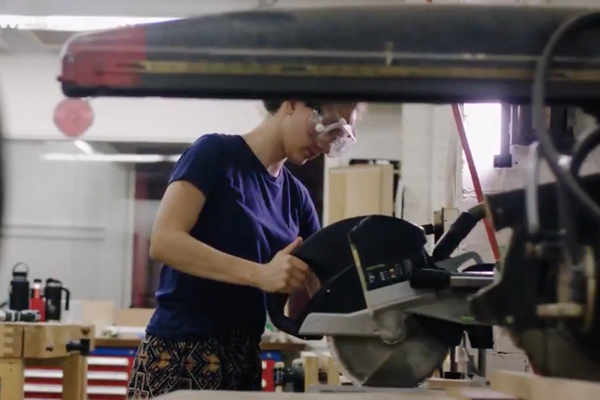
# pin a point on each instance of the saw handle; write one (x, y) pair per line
(275, 307)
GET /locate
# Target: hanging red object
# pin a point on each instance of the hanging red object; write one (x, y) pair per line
(73, 117)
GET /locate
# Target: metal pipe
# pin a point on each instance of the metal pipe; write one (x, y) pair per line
(505, 129)
(471, 279)
(482, 361)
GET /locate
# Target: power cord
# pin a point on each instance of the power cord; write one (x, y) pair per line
(583, 148)
(547, 149)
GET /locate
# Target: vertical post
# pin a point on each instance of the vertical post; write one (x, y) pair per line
(75, 377)
(310, 362)
(12, 378)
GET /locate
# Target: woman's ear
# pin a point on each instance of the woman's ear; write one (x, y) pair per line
(291, 105)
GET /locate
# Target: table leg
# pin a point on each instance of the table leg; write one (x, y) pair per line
(12, 378)
(75, 377)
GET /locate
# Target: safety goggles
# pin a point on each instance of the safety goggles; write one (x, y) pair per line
(334, 135)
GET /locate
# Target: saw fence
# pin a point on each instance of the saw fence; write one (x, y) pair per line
(504, 385)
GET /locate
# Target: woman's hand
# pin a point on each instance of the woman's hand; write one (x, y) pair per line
(284, 273)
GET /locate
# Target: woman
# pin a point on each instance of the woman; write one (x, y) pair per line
(226, 226)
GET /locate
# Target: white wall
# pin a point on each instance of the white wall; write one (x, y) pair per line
(30, 92)
(67, 220)
(159, 8)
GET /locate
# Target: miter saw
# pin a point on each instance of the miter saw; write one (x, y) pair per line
(390, 309)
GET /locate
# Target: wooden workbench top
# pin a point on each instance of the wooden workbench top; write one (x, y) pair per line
(505, 385)
(214, 395)
(134, 343)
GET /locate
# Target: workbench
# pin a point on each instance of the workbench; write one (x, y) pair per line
(109, 365)
(504, 385)
(45, 345)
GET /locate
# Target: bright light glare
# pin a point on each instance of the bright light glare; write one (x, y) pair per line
(123, 158)
(84, 146)
(483, 129)
(72, 24)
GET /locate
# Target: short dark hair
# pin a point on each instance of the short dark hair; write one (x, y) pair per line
(273, 105)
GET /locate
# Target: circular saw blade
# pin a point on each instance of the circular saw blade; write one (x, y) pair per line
(368, 361)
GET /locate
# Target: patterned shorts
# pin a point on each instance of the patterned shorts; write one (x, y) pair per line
(228, 362)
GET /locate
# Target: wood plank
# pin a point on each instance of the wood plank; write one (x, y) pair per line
(517, 384)
(482, 393)
(224, 395)
(506, 385)
(443, 384)
(533, 387)
(563, 389)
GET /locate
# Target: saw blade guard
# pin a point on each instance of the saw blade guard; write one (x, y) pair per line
(328, 254)
(395, 250)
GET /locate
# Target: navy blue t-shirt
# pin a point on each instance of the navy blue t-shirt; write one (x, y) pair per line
(248, 213)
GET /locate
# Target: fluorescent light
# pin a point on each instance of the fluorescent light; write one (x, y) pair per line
(74, 24)
(84, 146)
(123, 158)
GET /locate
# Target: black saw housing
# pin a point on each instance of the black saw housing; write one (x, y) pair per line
(392, 241)
(557, 346)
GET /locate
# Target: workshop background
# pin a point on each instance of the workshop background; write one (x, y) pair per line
(80, 208)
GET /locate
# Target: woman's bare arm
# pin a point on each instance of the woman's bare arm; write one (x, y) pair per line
(172, 244)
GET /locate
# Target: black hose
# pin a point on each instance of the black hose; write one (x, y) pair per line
(583, 148)
(458, 231)
(568, 224)
(547, 148)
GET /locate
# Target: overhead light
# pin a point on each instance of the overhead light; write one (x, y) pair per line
(74, 24)
(122, 158)
(84, 146)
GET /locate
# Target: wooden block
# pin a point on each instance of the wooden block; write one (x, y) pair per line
(477, 394)
(11, 340)
(443, 384)
(333, 372)
(310, 364)
(517, 384)
(328, 364)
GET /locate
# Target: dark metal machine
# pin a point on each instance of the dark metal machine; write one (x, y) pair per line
(391, 310)
(416, 53)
